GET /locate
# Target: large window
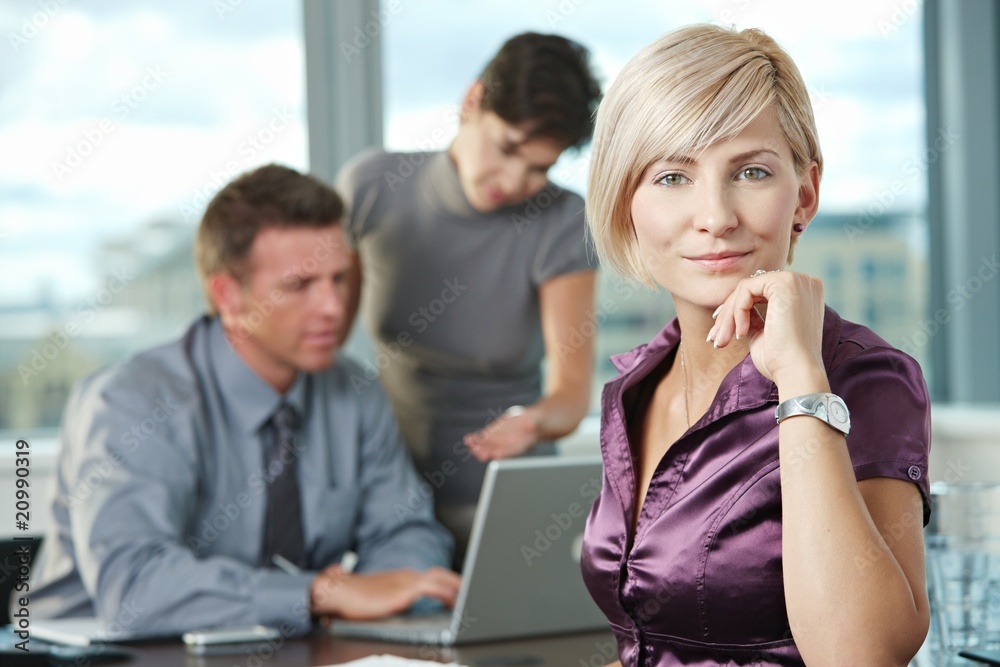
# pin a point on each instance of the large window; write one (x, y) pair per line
(862, 61)
(118, 121)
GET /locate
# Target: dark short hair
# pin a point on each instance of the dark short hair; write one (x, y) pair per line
(544, 80)
(269, 196)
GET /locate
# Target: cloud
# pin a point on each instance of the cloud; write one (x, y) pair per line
(119, 113)
(225, 76)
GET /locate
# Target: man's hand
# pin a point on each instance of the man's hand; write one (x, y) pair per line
(364, 597)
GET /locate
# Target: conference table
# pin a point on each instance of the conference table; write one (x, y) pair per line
(591, 649)
(585, 649)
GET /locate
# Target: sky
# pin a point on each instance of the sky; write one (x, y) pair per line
(861, 60)
(114, 115)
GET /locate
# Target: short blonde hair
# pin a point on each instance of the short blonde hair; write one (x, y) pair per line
(691, 88)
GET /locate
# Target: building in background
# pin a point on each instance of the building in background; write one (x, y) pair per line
(148, 294)
(874, 272)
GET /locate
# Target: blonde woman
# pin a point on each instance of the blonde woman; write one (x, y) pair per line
(765, 460)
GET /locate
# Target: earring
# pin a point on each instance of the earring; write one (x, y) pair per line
(798, 227)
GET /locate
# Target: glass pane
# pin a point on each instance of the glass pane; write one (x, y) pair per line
(118, 122)
(861, 59)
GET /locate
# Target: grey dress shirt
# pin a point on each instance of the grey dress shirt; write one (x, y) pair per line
(161, 492)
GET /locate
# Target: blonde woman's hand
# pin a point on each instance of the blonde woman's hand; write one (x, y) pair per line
(781, 314)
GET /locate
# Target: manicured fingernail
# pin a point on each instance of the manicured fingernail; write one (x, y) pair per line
(716, 313)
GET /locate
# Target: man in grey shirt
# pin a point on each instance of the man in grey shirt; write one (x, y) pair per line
(189, 471)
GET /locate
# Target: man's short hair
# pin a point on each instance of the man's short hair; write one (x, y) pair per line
(545, 81)
(269, 196)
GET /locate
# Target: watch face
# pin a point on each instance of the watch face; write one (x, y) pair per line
(838, 411)
(838, 415)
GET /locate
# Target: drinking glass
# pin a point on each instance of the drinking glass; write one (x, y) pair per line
(963, 566)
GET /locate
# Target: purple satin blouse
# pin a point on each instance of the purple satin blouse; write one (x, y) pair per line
(699, 582)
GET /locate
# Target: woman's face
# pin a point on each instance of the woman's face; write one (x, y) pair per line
(706, 220)
(499, 164)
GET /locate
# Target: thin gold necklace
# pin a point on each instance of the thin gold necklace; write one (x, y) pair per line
(684, 381)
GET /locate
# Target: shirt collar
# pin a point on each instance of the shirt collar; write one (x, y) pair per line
(248, 398)
(743, 388)
(663, 342)
(445, 182)
(447, 186)
(670, 335)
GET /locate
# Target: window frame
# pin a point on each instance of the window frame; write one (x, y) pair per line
(962, 90)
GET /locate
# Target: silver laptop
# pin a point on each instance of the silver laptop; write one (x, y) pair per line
(521, 575)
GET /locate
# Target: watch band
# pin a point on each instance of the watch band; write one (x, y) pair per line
(827, 407)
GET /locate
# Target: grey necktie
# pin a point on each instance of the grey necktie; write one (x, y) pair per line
(283, 534)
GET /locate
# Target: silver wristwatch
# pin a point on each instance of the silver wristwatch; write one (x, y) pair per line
(828, 407)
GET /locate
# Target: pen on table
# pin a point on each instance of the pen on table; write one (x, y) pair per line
(285, 564)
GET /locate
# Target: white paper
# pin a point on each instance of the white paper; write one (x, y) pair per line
(392, 661)
(74, 631)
